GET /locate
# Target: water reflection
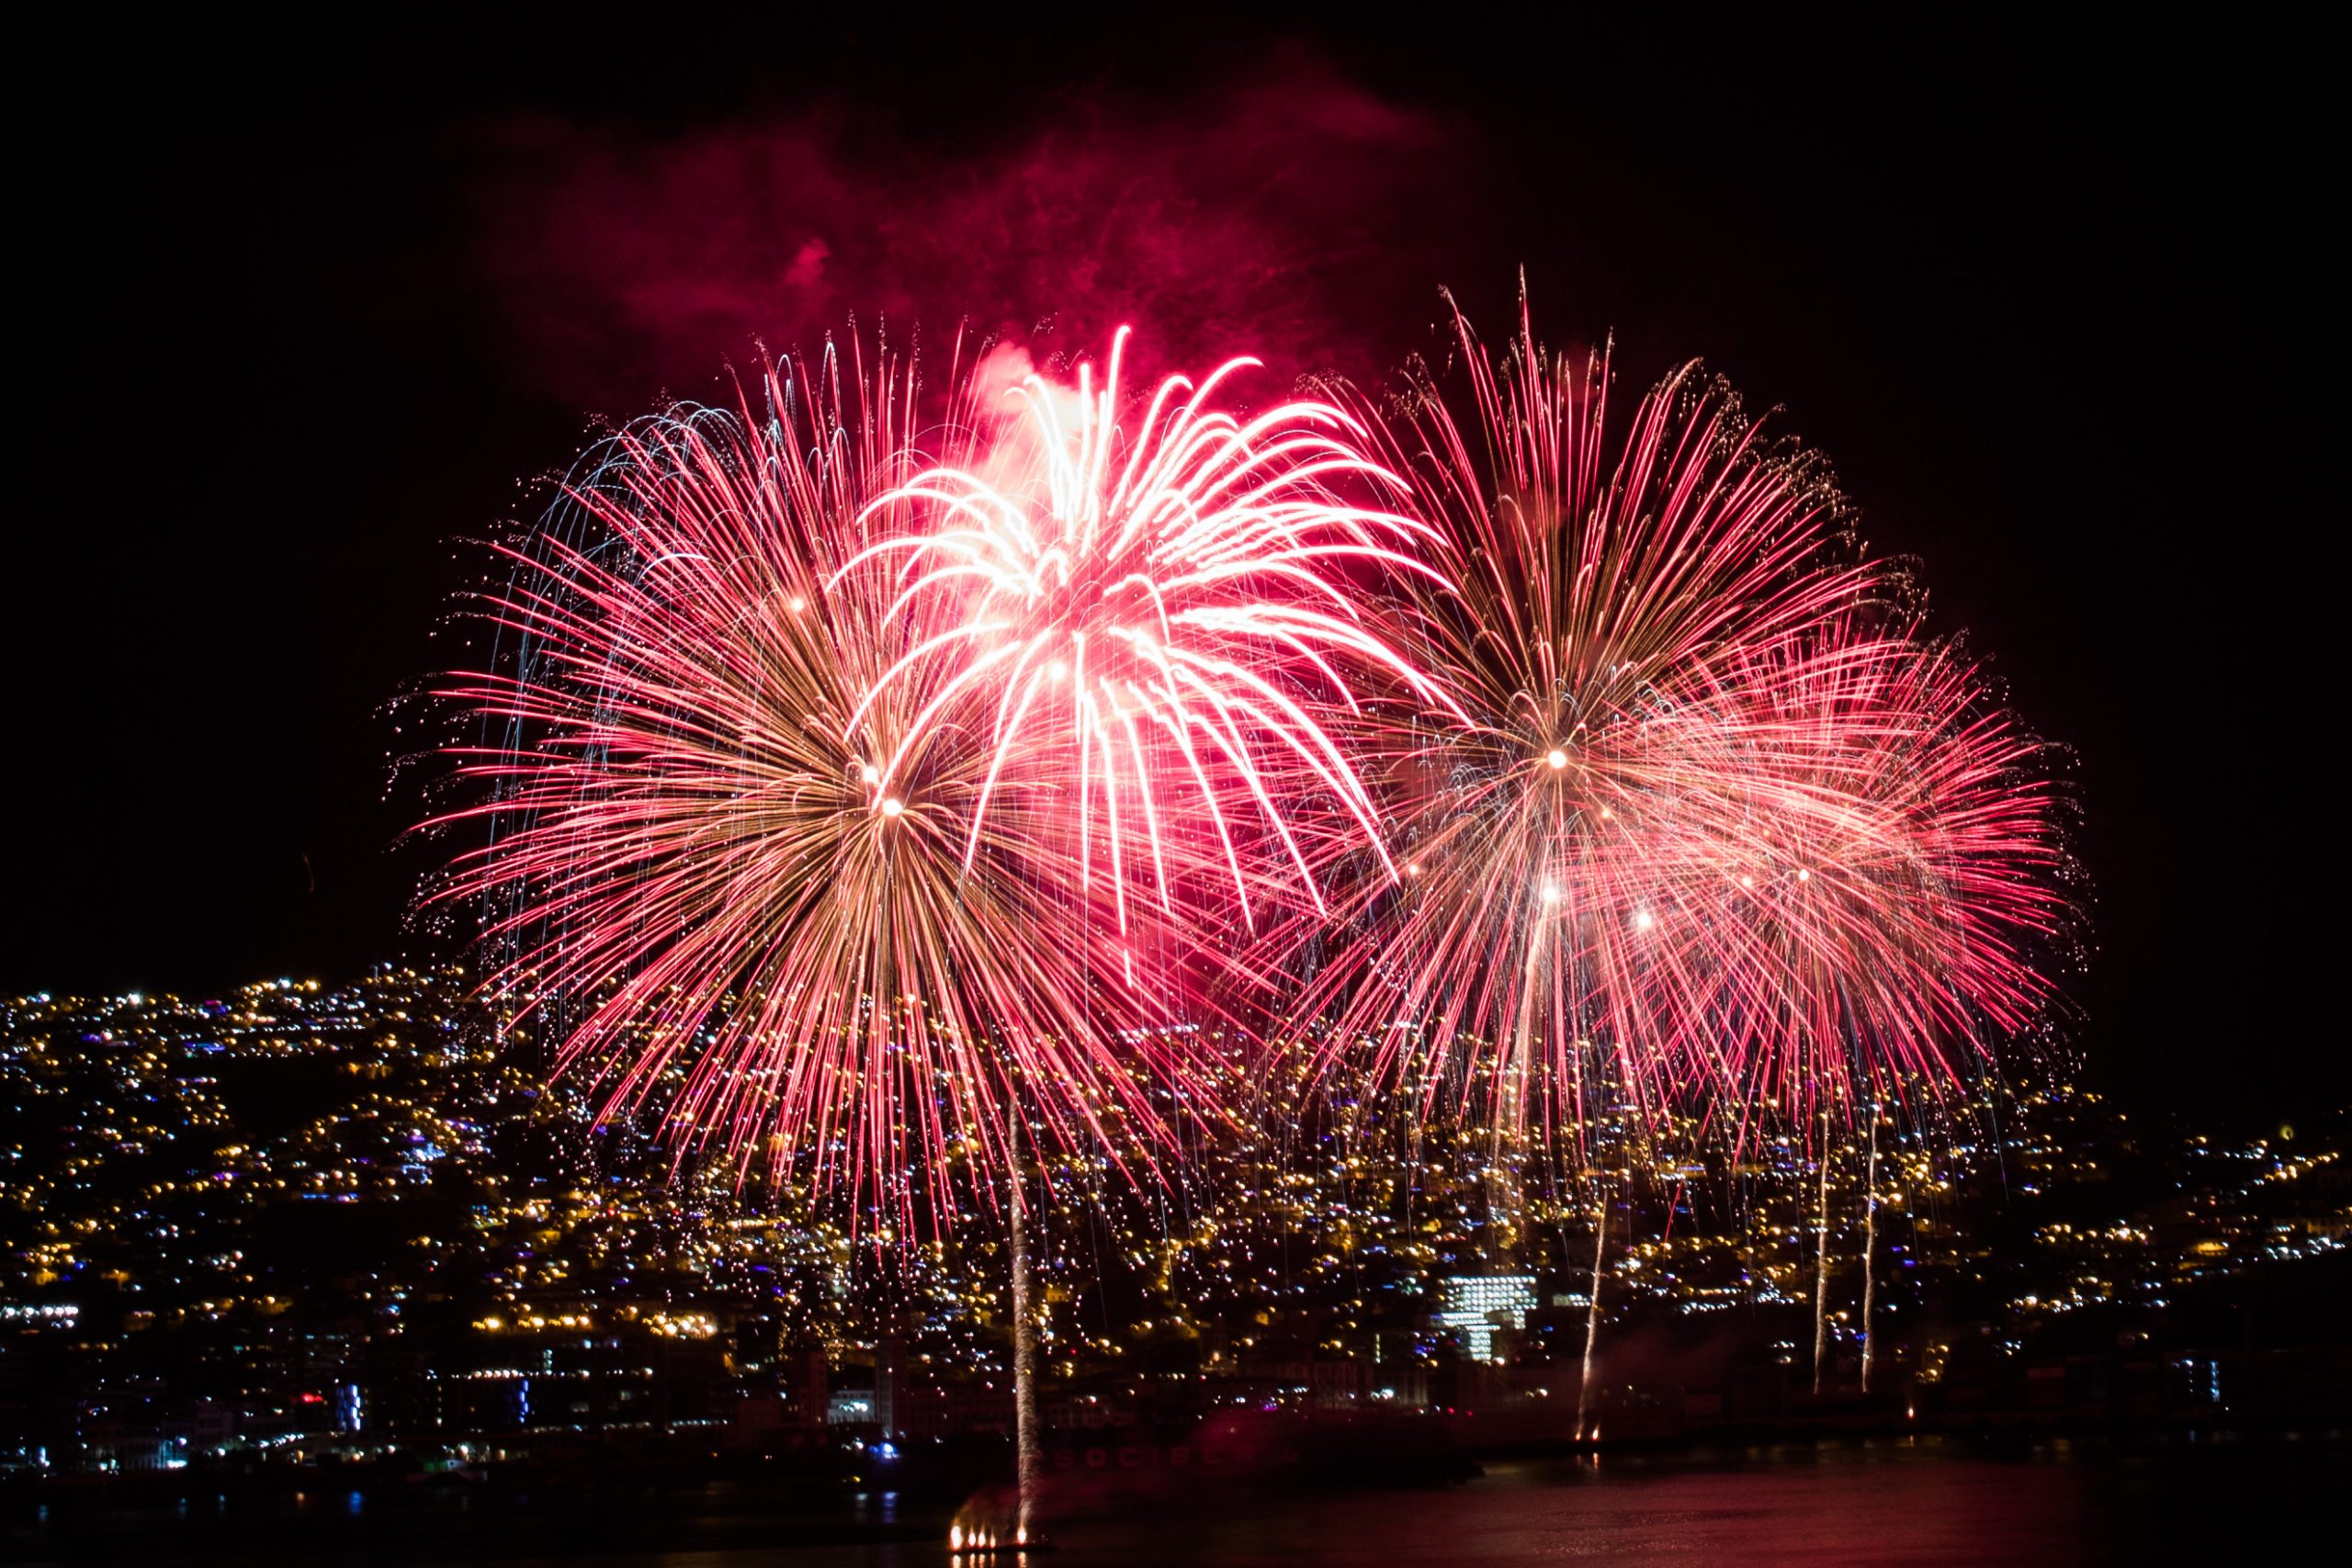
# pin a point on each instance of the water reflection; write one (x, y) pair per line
(2055, 1500)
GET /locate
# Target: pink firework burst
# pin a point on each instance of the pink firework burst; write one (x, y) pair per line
(1164, 602)
(729, 849)
(1881, 885)
(1698, 827)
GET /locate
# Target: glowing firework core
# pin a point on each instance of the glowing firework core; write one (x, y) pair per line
(1159, 601)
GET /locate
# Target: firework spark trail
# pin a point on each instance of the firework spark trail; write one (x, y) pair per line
(1705, 831)
(1168, 606)
(765, 897)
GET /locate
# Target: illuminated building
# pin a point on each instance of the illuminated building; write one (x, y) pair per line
(1476, 1304)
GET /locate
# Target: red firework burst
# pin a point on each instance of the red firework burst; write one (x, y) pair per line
(728, 848)
(1703, 829)
(1165, 601)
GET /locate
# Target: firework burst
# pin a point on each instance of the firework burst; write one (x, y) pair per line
(729, 850)
(1877, 890)
(1164, 600)
(1703, 830)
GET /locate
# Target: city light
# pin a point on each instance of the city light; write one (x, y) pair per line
(1317, 1270)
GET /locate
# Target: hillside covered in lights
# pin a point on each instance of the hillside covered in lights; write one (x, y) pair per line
(301, 1224)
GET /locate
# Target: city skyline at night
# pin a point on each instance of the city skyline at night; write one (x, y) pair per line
(355, 1223)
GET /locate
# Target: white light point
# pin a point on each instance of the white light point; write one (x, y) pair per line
(892, 806)
(1557, 758)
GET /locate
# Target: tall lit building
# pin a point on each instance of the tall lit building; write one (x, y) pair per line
(1478, 1303)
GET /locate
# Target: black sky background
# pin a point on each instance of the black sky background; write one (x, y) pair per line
(2054, 300)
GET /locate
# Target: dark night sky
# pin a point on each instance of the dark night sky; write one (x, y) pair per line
(304, 311)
